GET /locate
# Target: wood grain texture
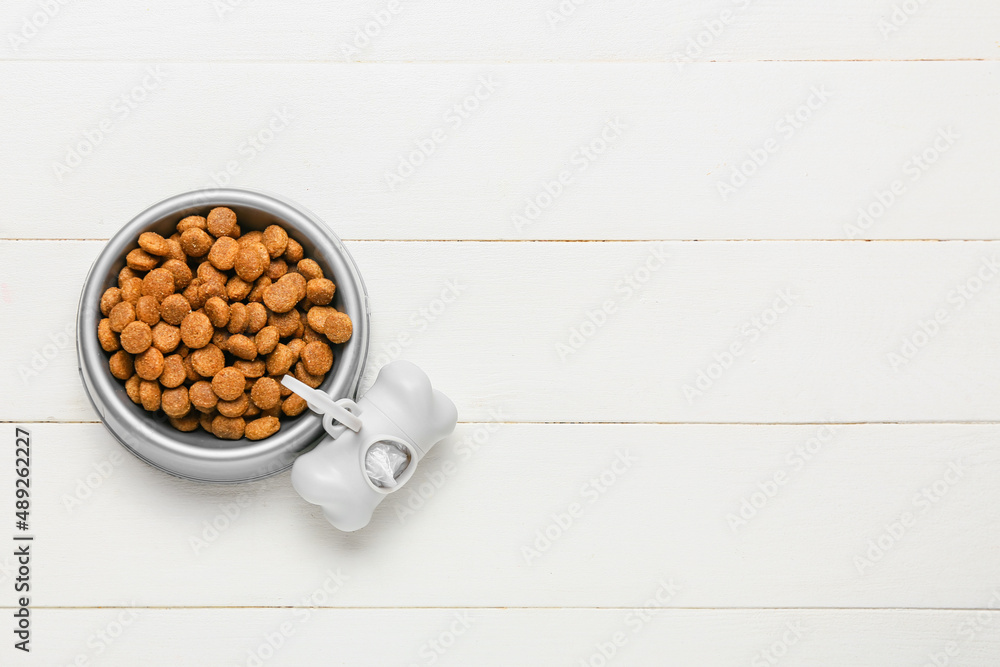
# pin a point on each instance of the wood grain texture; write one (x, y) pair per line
(548, 151)
(599, 332)
(520, 515)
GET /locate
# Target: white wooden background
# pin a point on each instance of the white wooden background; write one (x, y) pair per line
(836, 441)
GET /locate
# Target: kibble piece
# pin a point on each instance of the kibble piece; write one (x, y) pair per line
(166, 337)
(257, 317)
(221, 221)
(276, 269)
(257, 293)
(132, 388)
(294, 405)
(287, 324)
(228, 383)
(238, 318)
(187, 423)
(217, 311)
(338, 327)
(209, 274)
(228, 428)
(251, 261)
(250, 369)
(140, 260)
(149, 365)
(223, 253)
(208, 360)
(121, 365)
(266, 340)
(209, 289)
(282, 296)
(124, 275)
(254, 236)
(173, 374)
(192, 222)
(174, 308)
(251, 411)
(266, 393)
(316, 316)
(320, 291)
(159, 283)
(153, 243)
(196, 242)
(262, 428)
(149, 395)
(220, 338)
(304, 376)
(132, 290)
(121, 316)
(294, 252)
(234, 408)
(202, 397)
(175, 402)
(238, 289)
(194, 295)
(111, 298)
(192, 374)
(295, 346)
(174, 250)
(107, 337)
(280, 361)
(206, 418)
(317, 358)
(196, 330)
(136, 337)
(275, 239)
(147, 309)
(181, 272)
(309, 269)
(310, 335)
(242, 347)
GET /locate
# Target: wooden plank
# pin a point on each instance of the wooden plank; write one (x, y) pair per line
(399, 30)
(510, 636)
(873, 332)
(889, 149)
(516, 515)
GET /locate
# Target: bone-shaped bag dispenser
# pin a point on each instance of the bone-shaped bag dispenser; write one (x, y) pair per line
(373, 445)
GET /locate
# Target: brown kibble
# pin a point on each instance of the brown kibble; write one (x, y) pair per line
(234, 408)
(309, 269)
(317, 358)
(181, 272)
(149, 364)
(294, 405)
(228, 383)
(175, 402)
(266, 393)
(192, 374)
(221, 221)
(108, 338)
(253, 236)
(242, 347)
(136, 337)
(261, 428)
(187, 423)
(159, 283)
(250, 369)
(166, 337)
(173, 374)
(257, 293)
(238, 318)
(251, 411)
(251, 261)
(220, 338)
(310, 335)
(257, 317)
(275, 239)
(320, 290)
(196, 242)
(217, 311)
(153, 243)
(192, 222)
(196, 330)
(287, 324)
(174, 308)
(277, 268)
(266, 340)
(149, 395)
(202, 397)
(121, 365)
(132, 388)
(304, 376)
(174, 250)
(316, 316)
(194, 295)
(238, 289)
(223, 253)
(338, 327)
(125, 274)
(206, 418)
(211, 288)
(228, 428)
(121, 316)
(111, 298)
(282, 296)
(147, 309)
(294, 252)
(209, 274)
(140, 260)
(132, 290)
(296, 346)
(208, 360)
(280, 361)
